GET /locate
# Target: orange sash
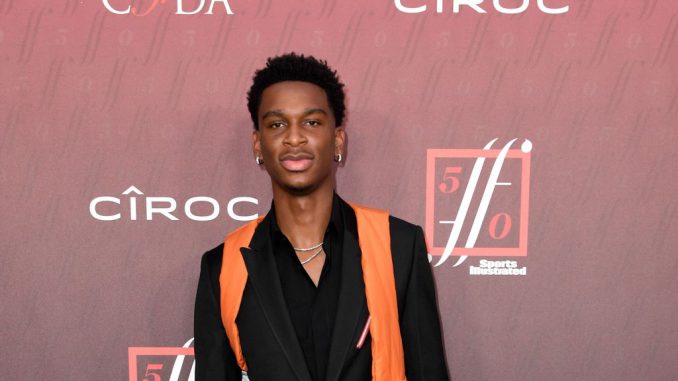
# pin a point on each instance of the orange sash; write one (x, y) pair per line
(377, 265)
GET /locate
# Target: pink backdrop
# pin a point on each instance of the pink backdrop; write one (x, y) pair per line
(92, 103)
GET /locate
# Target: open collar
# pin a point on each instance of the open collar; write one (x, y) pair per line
(351, 306)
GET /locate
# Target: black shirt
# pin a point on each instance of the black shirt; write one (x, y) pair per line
(312, 309)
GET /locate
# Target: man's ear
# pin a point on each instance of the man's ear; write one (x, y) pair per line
(339, 141)
(256, 144)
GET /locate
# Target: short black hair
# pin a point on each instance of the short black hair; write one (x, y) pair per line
(297, 67)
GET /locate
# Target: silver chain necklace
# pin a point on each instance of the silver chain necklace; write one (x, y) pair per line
(309, 259)
(303, 249)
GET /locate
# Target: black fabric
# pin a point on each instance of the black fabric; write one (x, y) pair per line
(312, 309)
(268, 336)
(213, 352)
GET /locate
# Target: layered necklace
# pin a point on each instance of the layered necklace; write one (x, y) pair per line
(307, 249)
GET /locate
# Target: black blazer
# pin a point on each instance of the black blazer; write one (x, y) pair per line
(268, 339)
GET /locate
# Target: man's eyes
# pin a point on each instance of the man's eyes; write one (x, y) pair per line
(311, 122)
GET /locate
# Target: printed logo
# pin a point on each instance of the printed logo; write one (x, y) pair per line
(477, 6)
(125, 7)
(477, 203)
(197, 208)
(162, 363)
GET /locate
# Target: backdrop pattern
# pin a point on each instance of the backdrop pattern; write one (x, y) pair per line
(93, 102)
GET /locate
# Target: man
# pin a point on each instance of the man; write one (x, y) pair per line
(318, 289)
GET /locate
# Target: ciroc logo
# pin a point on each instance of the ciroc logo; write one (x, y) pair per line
(110, 208)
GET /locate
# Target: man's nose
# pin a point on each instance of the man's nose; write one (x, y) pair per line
(295, 134)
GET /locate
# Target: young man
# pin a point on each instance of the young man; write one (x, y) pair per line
(318, 289)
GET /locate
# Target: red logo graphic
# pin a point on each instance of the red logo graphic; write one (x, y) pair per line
(477, 201)
(161, 363)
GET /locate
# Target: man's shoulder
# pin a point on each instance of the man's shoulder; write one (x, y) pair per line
(401, 226)
(397, 225)
(403, 235)
(212, 258)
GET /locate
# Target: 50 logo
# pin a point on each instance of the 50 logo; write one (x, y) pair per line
(162, 363)
(477, 201)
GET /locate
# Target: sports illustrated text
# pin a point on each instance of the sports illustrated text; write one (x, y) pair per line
(486, 267)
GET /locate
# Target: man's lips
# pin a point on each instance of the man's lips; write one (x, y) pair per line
(296, 163)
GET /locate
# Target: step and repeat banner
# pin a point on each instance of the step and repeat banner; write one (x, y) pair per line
(534, 140)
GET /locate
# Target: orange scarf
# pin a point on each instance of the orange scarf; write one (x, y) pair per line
(375, 243)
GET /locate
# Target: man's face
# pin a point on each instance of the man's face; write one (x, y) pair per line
(297, 138)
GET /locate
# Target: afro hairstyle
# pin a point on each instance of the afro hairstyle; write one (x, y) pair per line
(297, 67)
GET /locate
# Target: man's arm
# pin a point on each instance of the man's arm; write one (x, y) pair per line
(420, 323)
(214, 358)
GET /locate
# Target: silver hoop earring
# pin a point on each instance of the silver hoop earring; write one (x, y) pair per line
(338, 157)
(259, 160)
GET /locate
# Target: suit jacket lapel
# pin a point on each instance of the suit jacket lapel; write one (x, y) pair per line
(352, 304)
(263, 275)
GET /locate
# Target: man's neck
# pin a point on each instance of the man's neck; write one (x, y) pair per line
(303, 219)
